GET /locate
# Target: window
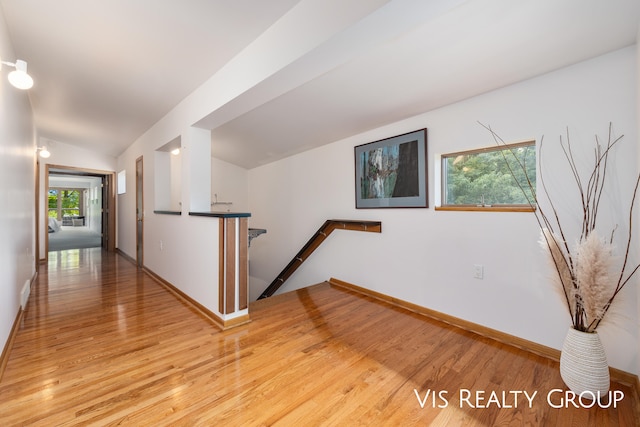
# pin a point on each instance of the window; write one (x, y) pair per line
(122, 182)
(64, 203)
(495, 178)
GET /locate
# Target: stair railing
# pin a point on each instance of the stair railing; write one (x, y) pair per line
(313, 243)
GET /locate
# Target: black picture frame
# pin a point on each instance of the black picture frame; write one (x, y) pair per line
(392, 172)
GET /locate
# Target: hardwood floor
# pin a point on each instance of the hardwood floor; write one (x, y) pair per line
(104, 344)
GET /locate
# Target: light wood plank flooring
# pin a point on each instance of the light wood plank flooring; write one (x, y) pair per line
(103, 344)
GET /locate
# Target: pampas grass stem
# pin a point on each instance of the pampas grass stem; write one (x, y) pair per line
(584, 275)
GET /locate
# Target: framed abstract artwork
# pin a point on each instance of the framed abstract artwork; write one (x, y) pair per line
(392, 172)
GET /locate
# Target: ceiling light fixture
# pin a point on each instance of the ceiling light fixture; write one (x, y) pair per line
(44, 153)
(175, 151)
(19, 77)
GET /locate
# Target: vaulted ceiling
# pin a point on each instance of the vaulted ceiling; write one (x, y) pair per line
(106, 71)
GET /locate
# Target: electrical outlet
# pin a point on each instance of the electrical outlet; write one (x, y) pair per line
(478, 271)
(161, 245)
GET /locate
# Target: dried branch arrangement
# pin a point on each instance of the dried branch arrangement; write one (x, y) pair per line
(585, 272)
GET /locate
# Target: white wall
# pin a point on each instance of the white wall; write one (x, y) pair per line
(426, 256)
(231, 184)
(63, 154)
(17, 192)
(216, 101)
(176, 181)
(181, 249)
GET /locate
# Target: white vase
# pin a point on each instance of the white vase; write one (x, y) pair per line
(583, 364)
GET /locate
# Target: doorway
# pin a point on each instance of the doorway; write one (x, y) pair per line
(74, 205)
(78, 208)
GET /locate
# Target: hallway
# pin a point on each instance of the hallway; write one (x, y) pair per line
(102, 343)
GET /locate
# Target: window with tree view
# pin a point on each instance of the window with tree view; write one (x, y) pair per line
(64, 202)
(501, 176)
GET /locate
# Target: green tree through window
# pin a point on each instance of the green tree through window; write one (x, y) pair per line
(53, 203)
(490, 177)
(63, 203)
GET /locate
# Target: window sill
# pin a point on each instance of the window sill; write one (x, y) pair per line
(487, 208)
